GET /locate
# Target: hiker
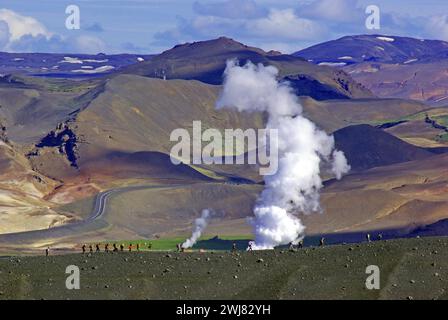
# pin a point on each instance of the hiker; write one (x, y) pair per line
(115, 247)
(368, 237)
(322, 242)
(121, 247)
(250, 248)
(47, 251)
(91, 248)
(138, 247)
(234, 247)
(130, 247)
(83, 248)
(150, 246)
(97, 247)
(291, 246)
(300, 244)
(380, 236)
(106, 247)
(179, 247)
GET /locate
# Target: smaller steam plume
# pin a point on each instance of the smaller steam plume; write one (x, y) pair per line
(199, 226)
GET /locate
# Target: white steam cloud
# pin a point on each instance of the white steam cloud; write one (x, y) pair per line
(199, 226)
(295, 187)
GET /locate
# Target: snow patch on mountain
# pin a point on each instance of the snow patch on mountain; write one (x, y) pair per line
(386, 39)
(101, 69)
(333, 64)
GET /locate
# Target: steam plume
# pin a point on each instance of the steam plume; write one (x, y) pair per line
(295, 187)
(199, 226)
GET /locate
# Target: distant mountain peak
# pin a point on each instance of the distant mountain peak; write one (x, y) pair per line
(375, 48)
(214, 46)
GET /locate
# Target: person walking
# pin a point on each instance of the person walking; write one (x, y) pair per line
(322, 242)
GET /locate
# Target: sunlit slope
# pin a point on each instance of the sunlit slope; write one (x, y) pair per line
(406, 194)
(23, 195)
(133, 114)
(332, 115)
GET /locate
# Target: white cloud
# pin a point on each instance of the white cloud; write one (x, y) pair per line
(20, 26)
(88, 44)
(276, 27)
(285, 24)
(212, 25)
(333, 10)
(437, 27)
(232, 9)
(20, 33)
(4, 34)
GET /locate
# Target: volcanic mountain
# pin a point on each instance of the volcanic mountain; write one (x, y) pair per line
(375, 48)
(206, 60)
(389, 66)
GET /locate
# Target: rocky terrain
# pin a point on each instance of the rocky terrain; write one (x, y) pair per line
(409, 269)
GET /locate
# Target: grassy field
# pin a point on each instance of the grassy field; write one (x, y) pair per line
(169, 244)
(410, 269)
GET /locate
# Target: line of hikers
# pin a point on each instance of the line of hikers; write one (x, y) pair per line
(368, 239)
(113, 248)
(180, 248)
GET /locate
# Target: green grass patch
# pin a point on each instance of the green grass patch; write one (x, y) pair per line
(169, 244)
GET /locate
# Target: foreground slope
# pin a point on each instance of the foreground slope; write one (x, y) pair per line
(410, 269)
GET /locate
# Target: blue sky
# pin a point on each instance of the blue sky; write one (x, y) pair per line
(151, 26)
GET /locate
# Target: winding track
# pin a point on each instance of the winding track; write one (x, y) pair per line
(94, 222)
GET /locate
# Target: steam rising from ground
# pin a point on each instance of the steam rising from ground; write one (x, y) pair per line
(199, 226)
(295, 187)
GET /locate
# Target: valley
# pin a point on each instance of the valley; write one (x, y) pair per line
(87, 160)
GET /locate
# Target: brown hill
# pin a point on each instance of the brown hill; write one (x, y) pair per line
(132, 114)
(366, 147)
(206, 60)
